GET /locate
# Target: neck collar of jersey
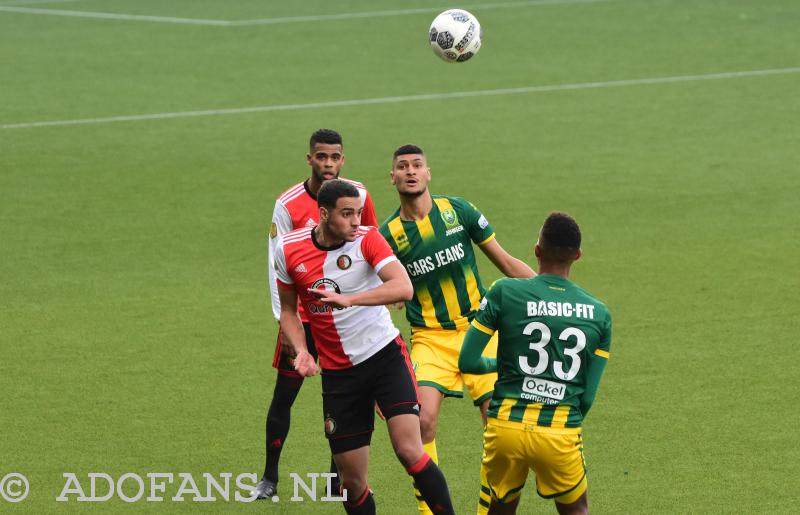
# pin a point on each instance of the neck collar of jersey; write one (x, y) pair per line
(305, 186)
(322, 247)
(554, 278)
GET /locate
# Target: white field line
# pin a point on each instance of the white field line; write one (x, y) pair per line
(31, 2)
(112, 16)
(405, 12)
(408, 98)
(278, 20)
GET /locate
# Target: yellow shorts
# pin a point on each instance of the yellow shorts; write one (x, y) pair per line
(511, 449)
(434, 355)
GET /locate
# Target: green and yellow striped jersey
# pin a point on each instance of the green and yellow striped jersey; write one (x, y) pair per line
(550, 333)
(438, 255)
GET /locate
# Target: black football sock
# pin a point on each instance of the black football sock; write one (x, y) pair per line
(364, 505)
(432, 485)
(278, 420)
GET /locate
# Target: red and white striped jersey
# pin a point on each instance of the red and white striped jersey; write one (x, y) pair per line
(344, 337)
(297, 208)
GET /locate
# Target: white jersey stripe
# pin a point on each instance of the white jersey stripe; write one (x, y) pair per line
(293, 196)
(298, 235)
(384, 262)
(291, 191)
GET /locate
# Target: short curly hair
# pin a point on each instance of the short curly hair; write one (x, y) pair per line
(326, 136)
(408, 149)
(560, 237)
(331, 191)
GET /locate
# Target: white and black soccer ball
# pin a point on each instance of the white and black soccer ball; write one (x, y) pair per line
(455, 35)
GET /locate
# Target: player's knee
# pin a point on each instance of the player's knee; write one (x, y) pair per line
(427, 426)
(354, 484)
(408, 452)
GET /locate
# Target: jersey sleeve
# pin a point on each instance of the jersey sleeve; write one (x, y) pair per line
(596, 366)
(281, 224)
(478, 227)
(604, 347)
(282, 277)
(489, 310)
(368, 216)
(376, 251)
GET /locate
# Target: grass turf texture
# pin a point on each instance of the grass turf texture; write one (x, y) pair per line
(136, 331)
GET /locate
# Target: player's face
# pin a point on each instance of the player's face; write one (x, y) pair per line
(343, 221)
(410, 174)
(325, 161)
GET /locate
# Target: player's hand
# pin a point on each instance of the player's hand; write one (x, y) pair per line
(397, 306)
(336, 300)
(305, 364)
(287, 349)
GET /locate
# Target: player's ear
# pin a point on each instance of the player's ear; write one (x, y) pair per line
(578, 254)
(308, 158)
(537, 250)
(323, 214)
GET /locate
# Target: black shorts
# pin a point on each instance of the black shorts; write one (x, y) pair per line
(283, 361)
(349, 396)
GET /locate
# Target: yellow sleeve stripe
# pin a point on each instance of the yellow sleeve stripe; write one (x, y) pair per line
(482, 328)
(602, 353)
(487, 240)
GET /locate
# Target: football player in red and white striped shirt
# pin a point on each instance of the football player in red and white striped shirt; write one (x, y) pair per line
(296, 208)
(344, 274)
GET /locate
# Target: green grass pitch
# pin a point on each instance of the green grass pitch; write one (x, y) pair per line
(135, 328)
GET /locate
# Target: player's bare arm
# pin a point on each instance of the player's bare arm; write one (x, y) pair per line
(294, 334)
(505, 262)
(396, 287)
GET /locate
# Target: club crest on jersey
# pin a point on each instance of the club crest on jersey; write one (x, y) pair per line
(329, 284)
(273, 231)
(330, 425)
(344, 262)
(449, 218)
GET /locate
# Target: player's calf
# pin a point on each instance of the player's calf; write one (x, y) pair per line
(364, 504)
(432, 485)
(503, 508)
(578, 507)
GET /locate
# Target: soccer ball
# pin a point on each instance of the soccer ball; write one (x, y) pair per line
(455, 35)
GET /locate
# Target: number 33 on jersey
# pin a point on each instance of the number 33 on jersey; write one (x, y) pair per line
(550, 332)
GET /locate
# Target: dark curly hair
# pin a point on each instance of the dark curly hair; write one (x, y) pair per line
(408, 149)
(560, 237)
(326, 136)
(332, 190)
